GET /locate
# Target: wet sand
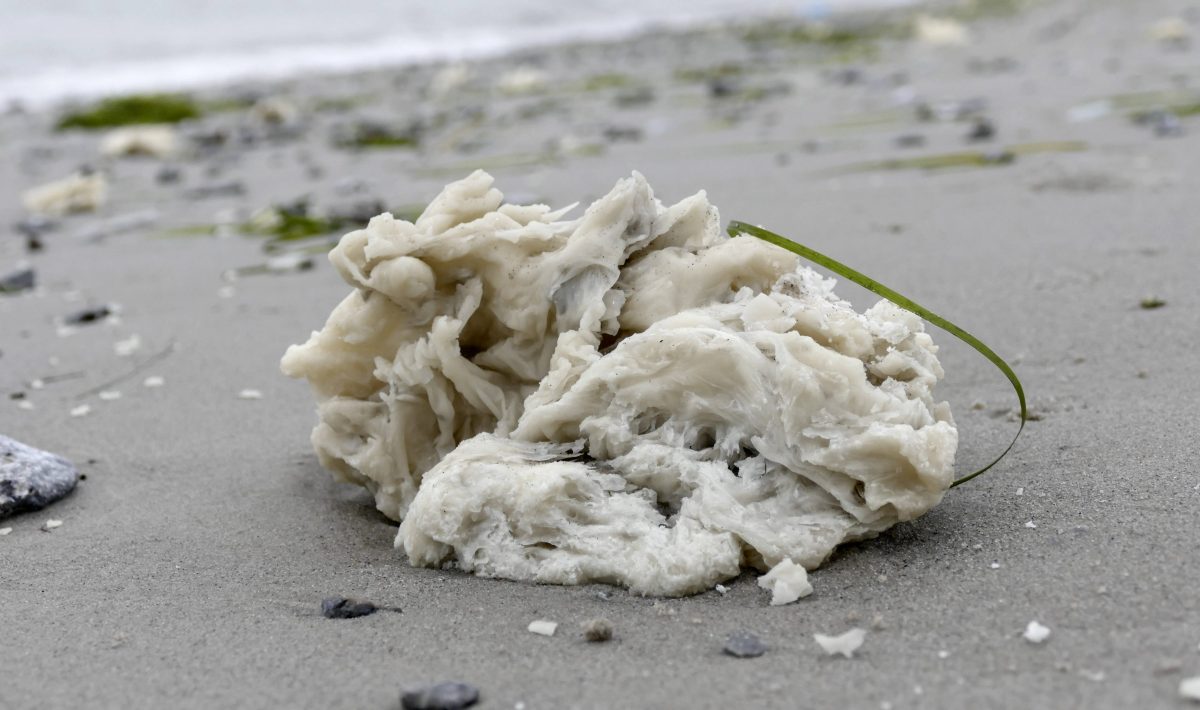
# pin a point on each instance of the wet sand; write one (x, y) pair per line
(191, 562)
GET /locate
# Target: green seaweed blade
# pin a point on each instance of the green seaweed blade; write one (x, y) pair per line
(738, 228)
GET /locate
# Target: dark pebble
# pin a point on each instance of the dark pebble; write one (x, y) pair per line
(910, 140)
(744, 645)
(88, 315)
(233, 188)
(18, 281)
(451, 695)
(31, 479)
(343, 608)
(981, 130)
(168, 175)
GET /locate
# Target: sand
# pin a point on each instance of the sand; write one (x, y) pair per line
(191, 562)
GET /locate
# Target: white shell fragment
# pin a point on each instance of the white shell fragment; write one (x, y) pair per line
(77, 193)
(153, 381)
(1189, 688)
(156, 141)
(631, 397)
(250, 394)
(1036, 633)
(542, 627)
(845, 644)
(787, 581)
(51, 525)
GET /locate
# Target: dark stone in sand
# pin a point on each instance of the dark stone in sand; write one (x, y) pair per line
(744, 645)
(88, 315)
(910, 140)
(451, 695)
(343, 608)
(18, 281)
(232, 188)
(981, 130)
(31, 479)
(168, 175)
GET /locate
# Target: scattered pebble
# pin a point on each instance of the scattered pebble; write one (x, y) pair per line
(943, 654)
(941, 32)
(597, 630)
(81, 192)
(1036, 633)
(109, 395)
(1094, 676)
(1031, 525)
(343, 608)
(128, 346)
(51, 525)
(741, 644)
(153, 381)
(451, 695)
(82, 410)
(981, 130)
(88, 315)
(1151, 302)
(542, 627)
(226, 292)
(5, 531)
(17, 281)
(25, 404)
(1021, 490)
(721, 589)
(1189, 689)
(249, 394)
(995, 565)
(845, 644)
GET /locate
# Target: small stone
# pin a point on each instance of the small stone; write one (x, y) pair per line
(5, 531)
(943, 654)
(109, 395)
(128, 346)
(88, 315)
(981, 130)
(168, 175)
(343, 608)
(995, 565)
(51, 525)
(787, 581)
(82, 410)
(249, 394)
(1036, 633)
(741, 644)
(542, 627)
(1031, 525)
(1152, 302)
(598, 630)
(721, 589)
(153, 381)
(451, 695)
(17, 281)
(31, 479)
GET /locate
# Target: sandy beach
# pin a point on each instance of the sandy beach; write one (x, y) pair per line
(1035, 183)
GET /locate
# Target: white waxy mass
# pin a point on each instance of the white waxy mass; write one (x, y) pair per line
(630, 397)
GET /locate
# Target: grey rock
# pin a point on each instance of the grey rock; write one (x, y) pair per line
(598, 630)
(741, 644)
(451, 695)
(981, 130)
(232, 188)
(18, 281)
(343, 608)
(31, 479)
(88, 315)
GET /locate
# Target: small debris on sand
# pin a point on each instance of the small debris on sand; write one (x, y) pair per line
(846, 644)
(741, 644)
(155, 141)
(451, 695)
(787, 581)
(109, 395)
(77, 193)
(17, 281)
(5, 531)
(88, 315)
(249, 394)
(1151, 302)
(1189, 689)
(343, 608)
(721, 589)
(1036, 633)
(995, 565)
(941, 32)
(128, 346)
(542, 627)
(153, 381)
(51, 525)
(1031, 525)
(597, 630)
(82, 410)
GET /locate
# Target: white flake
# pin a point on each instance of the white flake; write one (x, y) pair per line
(5, 531)
(109, 395)
(82, 410)
(51, 524)
(542, 627)
(1189, 688)
(787, 581)
(249, 394)
(1036, 633)
(128, 346)
(1031, 525)
(153, 381)
(845, 644)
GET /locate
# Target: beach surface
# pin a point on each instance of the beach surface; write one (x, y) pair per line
(191, 562)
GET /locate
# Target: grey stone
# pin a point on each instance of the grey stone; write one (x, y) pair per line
(343, 608)
(31, 479)
(18, 281)
(744, 645)
(451, 695)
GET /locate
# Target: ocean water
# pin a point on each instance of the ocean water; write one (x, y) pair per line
(58, 49)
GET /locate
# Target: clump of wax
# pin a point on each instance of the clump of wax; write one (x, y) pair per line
(630, 397)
